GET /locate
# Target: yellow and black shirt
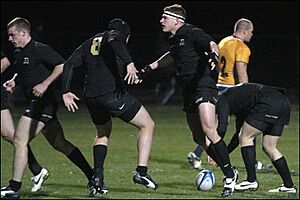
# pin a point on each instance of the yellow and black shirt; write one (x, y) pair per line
(232, 50)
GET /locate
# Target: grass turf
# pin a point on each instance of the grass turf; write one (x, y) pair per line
(167, 165)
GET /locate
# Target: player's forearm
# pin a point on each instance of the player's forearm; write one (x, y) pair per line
(214, 47)
(164, 61)
(54, 75)
(243, 78)
(4, 64)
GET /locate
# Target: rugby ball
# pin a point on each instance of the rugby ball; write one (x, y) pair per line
(205, 180)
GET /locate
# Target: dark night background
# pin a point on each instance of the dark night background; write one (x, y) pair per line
(274, 46)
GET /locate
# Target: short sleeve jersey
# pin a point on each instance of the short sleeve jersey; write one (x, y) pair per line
(34, 63)
(232, 50)
(2, 55)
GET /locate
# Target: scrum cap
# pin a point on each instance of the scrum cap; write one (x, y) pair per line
(120, 25)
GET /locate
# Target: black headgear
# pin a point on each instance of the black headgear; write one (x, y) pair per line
(120, 25)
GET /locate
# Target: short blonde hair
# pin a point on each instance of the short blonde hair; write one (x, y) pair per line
(20, 23)
(242, 24)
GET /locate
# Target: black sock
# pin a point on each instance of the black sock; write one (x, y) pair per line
(254, 142)
(198, 151)
(79, 160)
(99, 152)
(234, 142)
(213, 154)
(283, 170)
(142, 170)
(33, 165)
(15, 185)
(222, 152)
(249, 157)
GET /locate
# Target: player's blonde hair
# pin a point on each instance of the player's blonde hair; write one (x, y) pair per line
(242, 24)
(19, 23)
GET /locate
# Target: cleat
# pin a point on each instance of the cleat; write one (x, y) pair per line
(8, 193)
(96, 185)
(194, 161)
(285, 189)
(260, 166)
(246, 185)
(229, 184)
(145, 180)
(39, 179)
(92, 189)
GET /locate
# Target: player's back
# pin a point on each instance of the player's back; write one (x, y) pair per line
(232, 50)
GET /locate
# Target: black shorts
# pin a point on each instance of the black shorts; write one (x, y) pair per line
(4, 99)
(270, 114)
(42, 109)
(104, 107)
(192, 98)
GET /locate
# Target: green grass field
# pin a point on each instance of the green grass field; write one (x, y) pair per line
(167, 165)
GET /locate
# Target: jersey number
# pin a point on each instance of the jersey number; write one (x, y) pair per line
(223, 64)
(95, 48)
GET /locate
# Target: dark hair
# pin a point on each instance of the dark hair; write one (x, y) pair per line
(120, 25)
(20, 23)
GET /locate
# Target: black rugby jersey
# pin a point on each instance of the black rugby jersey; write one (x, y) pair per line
(239, 100)
(187, 48)
(34, 63)
(2, 55)
(104, 57)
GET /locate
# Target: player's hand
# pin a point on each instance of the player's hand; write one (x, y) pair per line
(69, 101)
(131, 75)
(39, 89)
(144, 73)
(10, 84)
(213, 59)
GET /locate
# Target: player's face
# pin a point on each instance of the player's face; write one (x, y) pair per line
(168, 24)
(249, 34)
(16, 37)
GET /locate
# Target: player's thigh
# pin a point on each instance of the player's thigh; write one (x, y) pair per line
(248, 133)
(27, 129)
(194, 124)
(142, 119)
(7, 125)
(53, 132)
(270, 141)
(104, 130)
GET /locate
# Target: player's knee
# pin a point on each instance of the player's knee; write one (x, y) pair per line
(8, 135)
(63, 146)
(268, 149)
(151, 125)
(19, 142)
(147, 126)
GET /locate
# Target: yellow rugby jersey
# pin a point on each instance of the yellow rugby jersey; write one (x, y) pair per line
(232, 50)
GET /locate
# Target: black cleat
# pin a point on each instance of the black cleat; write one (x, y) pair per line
(145, 180)
(97, 186)
(8, 193)
(229, 184)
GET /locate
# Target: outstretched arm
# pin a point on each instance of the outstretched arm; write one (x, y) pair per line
(69, 101)
(164, 61)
